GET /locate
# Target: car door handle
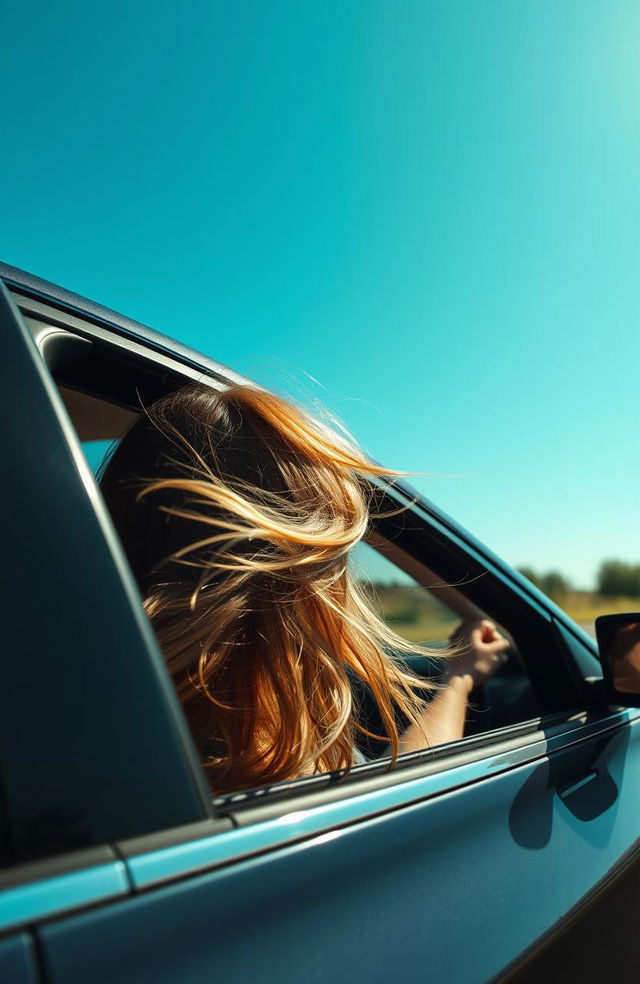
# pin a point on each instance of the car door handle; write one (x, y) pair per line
(572, 787)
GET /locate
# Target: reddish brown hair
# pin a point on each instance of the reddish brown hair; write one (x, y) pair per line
(238, 512)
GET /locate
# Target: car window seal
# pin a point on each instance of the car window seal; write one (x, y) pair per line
(251, 805)
(301, 820)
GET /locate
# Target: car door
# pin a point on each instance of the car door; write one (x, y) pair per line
(449, 867)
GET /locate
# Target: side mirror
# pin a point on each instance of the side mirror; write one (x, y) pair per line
(619, 646)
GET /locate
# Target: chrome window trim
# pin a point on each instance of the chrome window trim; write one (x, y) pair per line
(177, 861)
(43, 328)
(42, 320)
(24, 904)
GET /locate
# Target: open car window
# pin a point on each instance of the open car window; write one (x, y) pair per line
(416, 613)
(416, 602)
(104, 395)
(424, 609)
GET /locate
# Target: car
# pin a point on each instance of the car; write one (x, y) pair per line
(510, 855)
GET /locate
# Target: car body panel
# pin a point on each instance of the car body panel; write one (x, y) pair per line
(24, 904)
(450, 889)
(18, 962)
(596, 941)
(265, 827)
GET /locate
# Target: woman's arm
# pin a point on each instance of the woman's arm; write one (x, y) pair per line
(482, 652)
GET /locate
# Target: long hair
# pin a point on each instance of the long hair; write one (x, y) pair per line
(237, 513)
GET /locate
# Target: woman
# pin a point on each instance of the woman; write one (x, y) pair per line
(237, 514)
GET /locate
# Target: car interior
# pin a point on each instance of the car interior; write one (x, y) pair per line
(103, 386)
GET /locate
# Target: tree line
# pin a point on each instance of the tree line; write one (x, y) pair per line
(614, 578)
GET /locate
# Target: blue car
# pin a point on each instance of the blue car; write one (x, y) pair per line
(511, 855)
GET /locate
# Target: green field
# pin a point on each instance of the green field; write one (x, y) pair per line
(418, 617)
(585, 606)
(413, 613)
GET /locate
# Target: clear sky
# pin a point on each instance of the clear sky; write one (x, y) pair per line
(424, 213)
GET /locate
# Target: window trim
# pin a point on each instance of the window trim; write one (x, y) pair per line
(263, 830)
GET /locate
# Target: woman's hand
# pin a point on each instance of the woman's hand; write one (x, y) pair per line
(482, 651)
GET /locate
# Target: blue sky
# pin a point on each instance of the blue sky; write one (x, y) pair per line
(423, 214)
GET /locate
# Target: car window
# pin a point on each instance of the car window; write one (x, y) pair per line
(420, 615)
(417, 614)
(409, 609)
(95, 453)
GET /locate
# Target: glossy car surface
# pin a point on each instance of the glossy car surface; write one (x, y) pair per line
(508, 855)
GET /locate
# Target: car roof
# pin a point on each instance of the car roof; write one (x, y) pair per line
(52, 294)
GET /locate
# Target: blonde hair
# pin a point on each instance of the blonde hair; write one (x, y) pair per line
(239, 532)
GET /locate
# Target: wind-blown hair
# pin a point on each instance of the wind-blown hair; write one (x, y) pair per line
(237, 513)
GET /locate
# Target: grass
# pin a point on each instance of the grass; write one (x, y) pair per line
(585, 606)
(418, 617)
(413, 613)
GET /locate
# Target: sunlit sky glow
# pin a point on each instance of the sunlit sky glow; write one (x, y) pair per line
(423, 214)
